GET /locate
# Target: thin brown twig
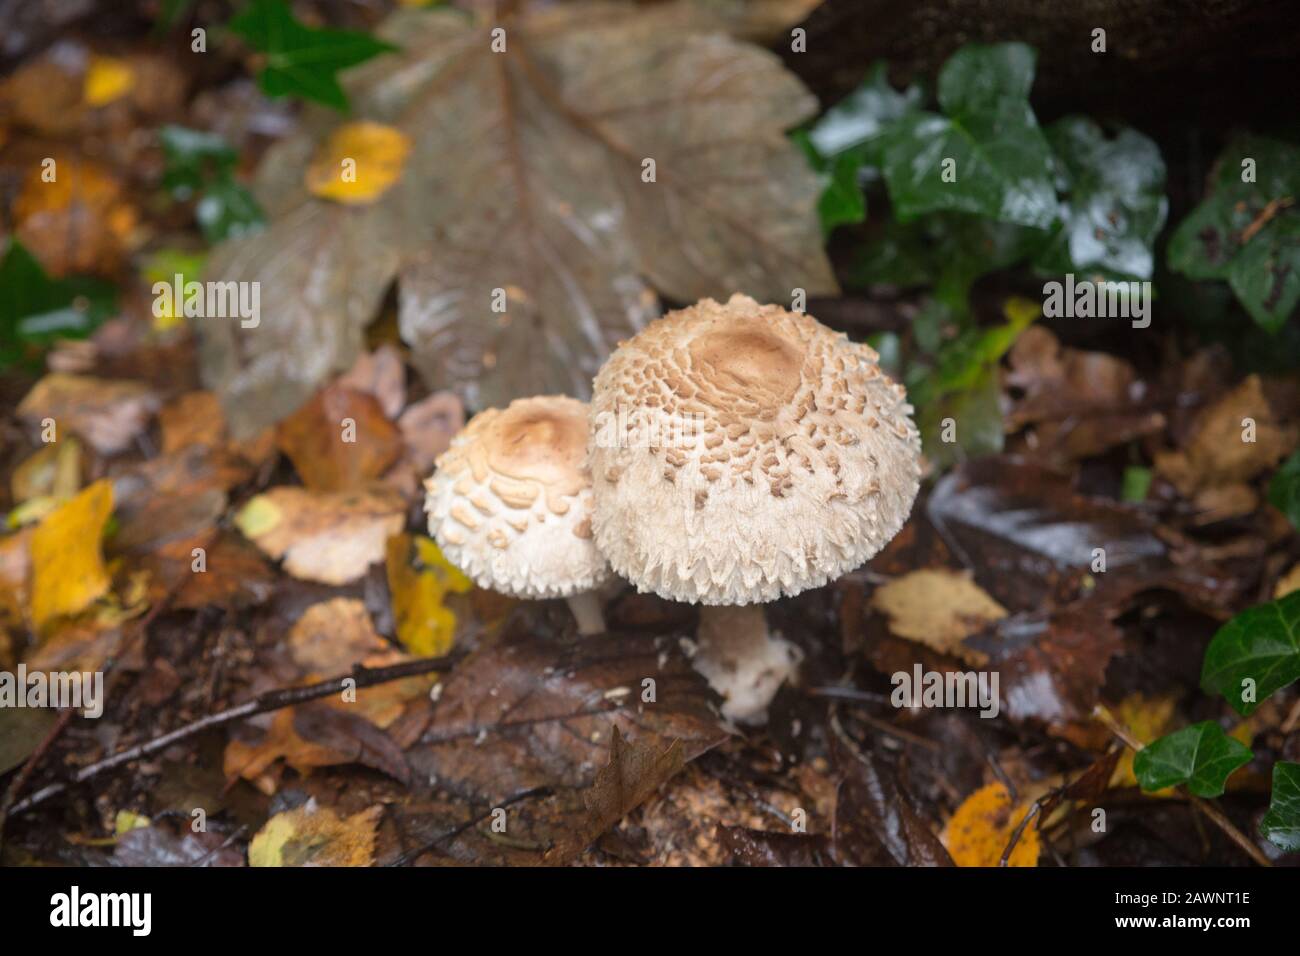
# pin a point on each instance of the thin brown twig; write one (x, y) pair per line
(412, 855)
(1212, 813)
(271, 700)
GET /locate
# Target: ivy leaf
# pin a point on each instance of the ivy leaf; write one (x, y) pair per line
(1201, 756)
(1248, 232)
(1115, 203)
(36, 309)
(1260, 645)
(227, 210)
(1284, 489)
(1281, 824)
(842, 200)
(857, 122)
(193, 157)
(1002, 160)
(300, 60)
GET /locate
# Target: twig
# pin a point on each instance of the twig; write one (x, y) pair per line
(411, 855)
(1213, 813)
(271, 700)
(1273, 207)
(1015, 836)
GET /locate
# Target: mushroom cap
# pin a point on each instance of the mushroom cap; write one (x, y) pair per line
(509, 502)
(741, 452)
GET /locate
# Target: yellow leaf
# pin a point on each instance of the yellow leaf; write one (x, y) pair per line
(981, 828)
(68, 570)
(358, 163)
(128, 820)
(107, 79)
(316, 836)
(1287, 583)
(258, 517)
(940, 608)
(425, 626)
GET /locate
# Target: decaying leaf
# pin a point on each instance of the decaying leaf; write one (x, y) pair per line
(425, 625)
(54, 471)
(67, 558)
(106, 414)
(194, 418)
(429, 425)
(603, 145)
(330, 538)
(379, 373)
(980, 829)
(313, 835)
(634, 771)
(940, 608)
(333, 635)
(340, 440)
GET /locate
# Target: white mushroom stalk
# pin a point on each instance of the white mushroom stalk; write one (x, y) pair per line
(509, 503)
(741, 453)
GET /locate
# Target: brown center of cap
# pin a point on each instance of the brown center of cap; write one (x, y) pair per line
(539, 444)
(750, 362)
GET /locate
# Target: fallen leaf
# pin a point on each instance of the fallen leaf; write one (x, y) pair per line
(980, 829)
(1147, 719)
(340, 440)
(379, 373)
(106, 414)
(528, 203)
(634, 771)
(312, 835)
(428, 427)
(155, 846)
(330, 538)
(108, 78)
(68, 572)
(81, 222)
(1287, 583)
(235, 575)
(940, 608)
(1217, 453)
(358, 163)
(194, 418)
(425, 625)
(332, 636)
(53, 471)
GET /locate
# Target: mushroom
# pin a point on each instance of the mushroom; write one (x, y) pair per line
(741, 453)
(509, 503)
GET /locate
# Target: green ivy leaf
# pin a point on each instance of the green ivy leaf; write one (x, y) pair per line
(1281, 824)
(36, 309)
(842, 200)
(202, 164)
(989, 130)
(1211, 243)
(1136, 484)
(1284, 489)
(1115, 203)
(1262, 645)
(1201, 756)
(857, 122)
(193, 157)
(302, 61)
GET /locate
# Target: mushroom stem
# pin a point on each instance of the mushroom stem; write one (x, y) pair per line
(742, 661)
(586, 611)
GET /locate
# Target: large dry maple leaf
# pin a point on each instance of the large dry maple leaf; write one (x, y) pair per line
(526, 175)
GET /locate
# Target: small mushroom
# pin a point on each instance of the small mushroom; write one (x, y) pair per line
(509, 503)
(741, 453)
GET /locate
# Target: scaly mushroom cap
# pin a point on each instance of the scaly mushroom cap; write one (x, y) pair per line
(742, 452)
(510, 501)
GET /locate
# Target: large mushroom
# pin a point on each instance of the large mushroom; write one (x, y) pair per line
(741, 453)
(509, 503)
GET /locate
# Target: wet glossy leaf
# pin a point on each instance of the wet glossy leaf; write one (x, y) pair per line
(1255, 654)
(1200, 756)
(1284, 489)
(1113, 204)
(1001, 160)
(1281, 824)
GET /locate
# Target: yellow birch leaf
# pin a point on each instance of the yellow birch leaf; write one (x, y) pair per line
(316, 836)
(68, 571)
(107, 79)
(981, 828)
(425, 625)
(1147, 719)
(358, 163)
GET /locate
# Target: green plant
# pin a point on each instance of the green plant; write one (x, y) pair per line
(36, 309)
(202, 165)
